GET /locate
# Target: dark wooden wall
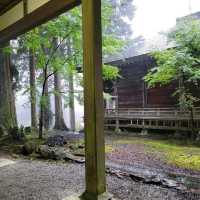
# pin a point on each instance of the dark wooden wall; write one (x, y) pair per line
(131, 89)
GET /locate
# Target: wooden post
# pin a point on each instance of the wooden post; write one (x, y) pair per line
(93, 102)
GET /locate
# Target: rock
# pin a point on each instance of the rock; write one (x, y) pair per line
(81, 131)
(29, 148)
(80, 153)
(81, 146)
(144, 132)
(57, 140)
(58, 153)
(70, 157)
(54, 153)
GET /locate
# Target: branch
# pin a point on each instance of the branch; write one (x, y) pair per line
(56, 48)
(47, 77)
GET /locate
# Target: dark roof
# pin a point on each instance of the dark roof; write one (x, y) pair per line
(131, 60)
(137, 48)
(193, 15)
(7, 4)
(141, 49)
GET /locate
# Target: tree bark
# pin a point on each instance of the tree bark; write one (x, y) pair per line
(71, 102)
(71, 91)
(32, 89)
(8, 117)
(59, 120)
(44, 119)
(47, 118)
(41, 119)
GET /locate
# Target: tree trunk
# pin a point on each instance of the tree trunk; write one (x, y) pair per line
(47, 118)
(71, 102)
(44, 105)
(32, 90)
(71, 91)
(8, 117)
(59, 120)
(41, 120)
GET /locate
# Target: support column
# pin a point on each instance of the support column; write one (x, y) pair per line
(93, 102)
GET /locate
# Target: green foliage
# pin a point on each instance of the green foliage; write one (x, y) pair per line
(68, 28)
(181, 63)
(165, 71)
(7, 50)
(57, 47)
(110, 72)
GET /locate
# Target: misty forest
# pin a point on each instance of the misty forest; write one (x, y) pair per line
(91, 109)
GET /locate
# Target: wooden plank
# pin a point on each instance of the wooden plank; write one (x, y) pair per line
(41, 15)
(8, 6)
(159, 118)
(93, 100)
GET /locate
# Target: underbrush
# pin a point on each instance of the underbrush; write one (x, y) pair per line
(14, 147)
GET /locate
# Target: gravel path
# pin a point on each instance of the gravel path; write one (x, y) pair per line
(38, 180)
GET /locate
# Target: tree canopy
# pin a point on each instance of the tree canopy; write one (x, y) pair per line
(180, 63)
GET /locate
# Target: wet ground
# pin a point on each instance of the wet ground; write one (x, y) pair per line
(126, 152)
(137, 160)
(132, 174)
(38, 180)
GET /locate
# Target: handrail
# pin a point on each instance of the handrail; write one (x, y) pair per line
(153, 112)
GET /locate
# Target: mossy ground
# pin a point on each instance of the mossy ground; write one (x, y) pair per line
(13, 147)
(181, 153)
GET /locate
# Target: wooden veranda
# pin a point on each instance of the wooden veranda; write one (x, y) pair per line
(153, 118)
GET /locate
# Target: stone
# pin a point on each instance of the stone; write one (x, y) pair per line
(6, 162)
(58, 153)
(118, 131)
(81, 131)
(57, 140)
(104, 196)
(79, 153)
(29, 148)
(144, 132)
(54, 153)
(70, 157)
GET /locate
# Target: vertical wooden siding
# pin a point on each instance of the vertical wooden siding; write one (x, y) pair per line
(131, 89)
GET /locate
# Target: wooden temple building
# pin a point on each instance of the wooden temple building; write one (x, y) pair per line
(19, 16)
(134, 105)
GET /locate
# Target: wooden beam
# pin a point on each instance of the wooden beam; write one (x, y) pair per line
(93, 101)
(46, 12)
(9, 6)
(25, 4)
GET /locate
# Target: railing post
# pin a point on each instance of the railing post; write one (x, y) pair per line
(117, 121)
